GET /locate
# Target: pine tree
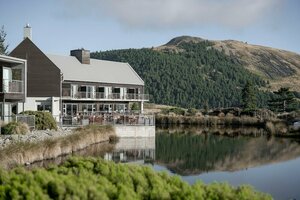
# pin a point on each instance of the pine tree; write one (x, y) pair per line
(3, 46)
(249, 97)
(284, 101)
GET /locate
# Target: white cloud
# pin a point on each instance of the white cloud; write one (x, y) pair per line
(175, 13)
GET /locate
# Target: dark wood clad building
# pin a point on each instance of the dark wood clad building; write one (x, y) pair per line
(77, 84)
(43, 77)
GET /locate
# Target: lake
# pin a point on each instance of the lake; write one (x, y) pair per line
(269, 164)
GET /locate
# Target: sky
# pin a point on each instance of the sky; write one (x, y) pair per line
(98, 25)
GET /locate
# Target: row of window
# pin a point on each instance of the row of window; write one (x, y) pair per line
(75, 109)
(101, 89)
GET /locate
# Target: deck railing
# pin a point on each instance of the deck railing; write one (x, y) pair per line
(66, 93)
(109, 118)
(12, 86)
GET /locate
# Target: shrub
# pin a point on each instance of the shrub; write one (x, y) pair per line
(135, 107)
(43, 120)
(177, 111)
(15, 128)
(192, 111)
(91, 178)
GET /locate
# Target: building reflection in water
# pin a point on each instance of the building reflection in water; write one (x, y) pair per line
(133, 150)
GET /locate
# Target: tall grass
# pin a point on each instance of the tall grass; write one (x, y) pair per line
(28, 152)
(227, 120)
(15, 128)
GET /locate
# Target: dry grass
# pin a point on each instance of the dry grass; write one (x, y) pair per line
(282, 69)
(227, 120)
(28, 152)
(270, 127)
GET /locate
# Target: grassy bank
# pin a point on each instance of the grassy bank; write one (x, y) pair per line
(274, 124)
(28, 152)
(209, 120)
(215, 130)
(90, 178)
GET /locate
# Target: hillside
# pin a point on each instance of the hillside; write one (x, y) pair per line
(194, 72)
(279, 67)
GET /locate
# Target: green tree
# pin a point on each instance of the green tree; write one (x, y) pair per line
(191, 77)
(249, 97)
(284, 101)
(135, 106)
(3, 46)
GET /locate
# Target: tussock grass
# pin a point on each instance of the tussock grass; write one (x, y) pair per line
(28, 152)
(15, 128)
(227, 120)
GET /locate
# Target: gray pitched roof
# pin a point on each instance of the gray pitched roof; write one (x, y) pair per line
(97, 71)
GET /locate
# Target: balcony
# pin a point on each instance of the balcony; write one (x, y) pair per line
(67, 94)
(12, 86)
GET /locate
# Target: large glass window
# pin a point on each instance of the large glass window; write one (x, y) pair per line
(88, 108)
(120, 108)
(44, 106)
(70, 109)
(7, 78)
(116, 90)
(74, 91)
(105, 107)
(100, 93)
(130, 90)
(87, 91)
(100, 89)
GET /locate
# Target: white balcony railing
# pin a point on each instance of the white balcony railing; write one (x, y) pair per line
(12, 86)
(66, 93)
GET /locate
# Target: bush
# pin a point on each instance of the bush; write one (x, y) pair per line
(43, 120)
(175, 110)
(135, 107)
(192, 111)
(91, 178)
(15, 128)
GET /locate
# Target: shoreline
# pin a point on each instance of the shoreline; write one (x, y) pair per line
(34, 136)
(27, 152)
(276, 127)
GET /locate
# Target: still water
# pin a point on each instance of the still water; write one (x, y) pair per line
(269, 164)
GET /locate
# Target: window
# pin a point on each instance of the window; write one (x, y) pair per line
(87, 91)
(106, 107)
(70, 109)
(44, 108)
(116, 90)
(130, 90)
(88, 108)
(100, 89)
(7, 78)
(120, 108)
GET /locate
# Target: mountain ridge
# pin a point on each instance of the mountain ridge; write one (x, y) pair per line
(194, 72)
(281, 68)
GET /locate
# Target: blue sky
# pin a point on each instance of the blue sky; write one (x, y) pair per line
(98, 25)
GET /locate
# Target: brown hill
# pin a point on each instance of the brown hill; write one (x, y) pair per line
(281, 68)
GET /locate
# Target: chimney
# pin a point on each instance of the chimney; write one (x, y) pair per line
(82, 55)
(27, 32)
